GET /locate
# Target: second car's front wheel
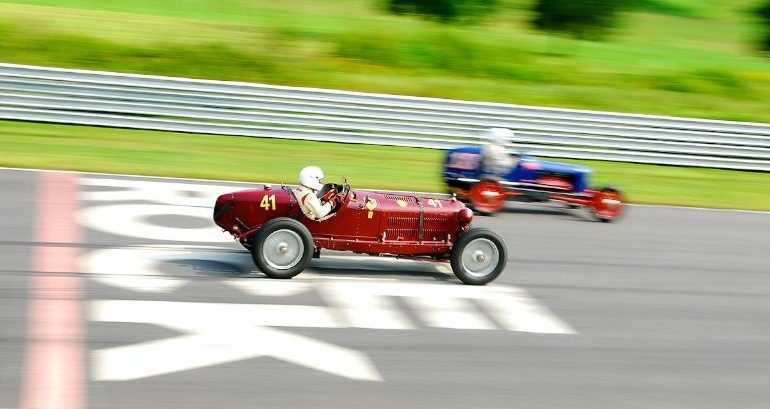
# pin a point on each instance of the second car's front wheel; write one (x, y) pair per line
(478, 257)
(282, 248)
(487, 197)
(608, 204)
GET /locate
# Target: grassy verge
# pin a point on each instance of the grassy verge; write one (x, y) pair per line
(670, 57)
(30, 145)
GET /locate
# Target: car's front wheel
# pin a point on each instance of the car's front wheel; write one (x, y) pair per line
(478, 257)
(282, 248)
(608, 204)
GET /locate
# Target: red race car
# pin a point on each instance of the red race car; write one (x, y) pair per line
(282, 240)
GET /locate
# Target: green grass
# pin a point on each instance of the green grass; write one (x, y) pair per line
(671, 57)
(30, 145)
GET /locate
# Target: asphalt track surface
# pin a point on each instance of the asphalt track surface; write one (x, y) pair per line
(667, 308)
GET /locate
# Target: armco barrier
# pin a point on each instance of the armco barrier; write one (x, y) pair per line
(232, 108)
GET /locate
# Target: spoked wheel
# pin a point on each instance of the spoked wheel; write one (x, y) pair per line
(487, 197)
(608, 204)
(478, 257)
(282, 248)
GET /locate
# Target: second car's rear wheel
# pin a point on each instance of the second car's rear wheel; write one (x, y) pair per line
(282, 248)
(487, 197)
(478, 257)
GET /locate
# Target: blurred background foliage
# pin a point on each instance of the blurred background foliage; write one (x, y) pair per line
(764, 13)
(589, 19)
(674, 57)
(445, 11)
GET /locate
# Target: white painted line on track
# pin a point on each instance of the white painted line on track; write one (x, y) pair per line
(445, 312)
(369, 306)
(366, 310)
(138, 268)
(269, 287)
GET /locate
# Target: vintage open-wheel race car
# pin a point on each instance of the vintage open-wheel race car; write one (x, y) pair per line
(529, 180)
(282, 240)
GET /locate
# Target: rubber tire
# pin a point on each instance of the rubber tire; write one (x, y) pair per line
(282, 223)
(620, 213)
(455, 258)
(485, 212)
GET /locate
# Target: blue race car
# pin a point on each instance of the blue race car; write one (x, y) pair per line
(528, 180)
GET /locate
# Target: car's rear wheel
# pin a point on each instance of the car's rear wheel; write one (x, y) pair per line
(478, 257)
(282, 248)
(608, 204)
(487, 197)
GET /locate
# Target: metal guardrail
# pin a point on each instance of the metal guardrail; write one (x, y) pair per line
(232, 108)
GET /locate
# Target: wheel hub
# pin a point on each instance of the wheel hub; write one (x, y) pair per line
(282, 249)
(480, 257)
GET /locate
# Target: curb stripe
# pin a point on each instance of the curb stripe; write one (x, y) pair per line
(54, 371)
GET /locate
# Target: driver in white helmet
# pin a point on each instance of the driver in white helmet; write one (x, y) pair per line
(494, 154)
(310, 182)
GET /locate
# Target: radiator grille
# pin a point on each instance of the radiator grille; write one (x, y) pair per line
(434, 228)
(407, 228)
(402, 228)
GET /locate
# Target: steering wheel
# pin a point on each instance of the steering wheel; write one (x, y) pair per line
(331, 194)
(343, 193)
(336, 195)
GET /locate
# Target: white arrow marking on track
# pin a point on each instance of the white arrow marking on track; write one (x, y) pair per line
(221, 333)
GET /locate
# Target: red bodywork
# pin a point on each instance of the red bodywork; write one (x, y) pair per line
(366, 222)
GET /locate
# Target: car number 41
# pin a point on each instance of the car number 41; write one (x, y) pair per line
(268, 202)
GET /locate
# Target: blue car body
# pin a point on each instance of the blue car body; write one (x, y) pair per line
(463, 167)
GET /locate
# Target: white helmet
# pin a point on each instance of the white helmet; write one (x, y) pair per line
(500, 136)
(311, 177)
